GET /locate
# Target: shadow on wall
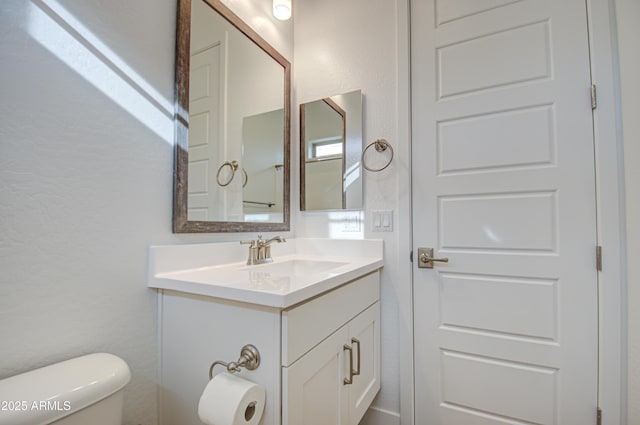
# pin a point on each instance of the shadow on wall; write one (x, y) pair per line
(51, 25)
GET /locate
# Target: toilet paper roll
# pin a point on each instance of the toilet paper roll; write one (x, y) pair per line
(231, 400)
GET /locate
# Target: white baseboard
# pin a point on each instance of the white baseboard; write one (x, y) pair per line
(376, 416)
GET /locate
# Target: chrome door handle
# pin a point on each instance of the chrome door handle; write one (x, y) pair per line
(349, 380)
(426, 259)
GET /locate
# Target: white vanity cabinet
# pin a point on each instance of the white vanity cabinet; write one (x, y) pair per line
(320, 389)
(335, 381)
(303, 357)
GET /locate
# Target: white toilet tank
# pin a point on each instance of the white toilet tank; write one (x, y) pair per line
(81, 391)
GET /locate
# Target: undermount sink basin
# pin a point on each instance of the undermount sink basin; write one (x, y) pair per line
(296, 267)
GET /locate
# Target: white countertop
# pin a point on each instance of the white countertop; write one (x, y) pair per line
(302, 269)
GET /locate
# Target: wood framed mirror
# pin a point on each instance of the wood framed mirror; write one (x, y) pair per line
(330, 152)
(232, 125)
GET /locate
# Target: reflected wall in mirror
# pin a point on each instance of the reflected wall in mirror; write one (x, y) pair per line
(330, 150)
(232, 125)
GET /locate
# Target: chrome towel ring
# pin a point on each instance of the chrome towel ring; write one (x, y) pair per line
(381, 145)
(233, 165)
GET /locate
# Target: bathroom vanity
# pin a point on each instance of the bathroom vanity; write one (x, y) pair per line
(313, 313)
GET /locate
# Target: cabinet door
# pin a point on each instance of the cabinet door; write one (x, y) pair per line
(364, 328)
(313, 386)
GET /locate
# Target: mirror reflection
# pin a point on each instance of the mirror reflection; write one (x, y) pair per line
(331, 145)
(232, 167)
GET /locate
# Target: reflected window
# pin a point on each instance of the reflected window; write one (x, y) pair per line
(326, 149)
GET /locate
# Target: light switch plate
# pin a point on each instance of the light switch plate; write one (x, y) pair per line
(382, 221)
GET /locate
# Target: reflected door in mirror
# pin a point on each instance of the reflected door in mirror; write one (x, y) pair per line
(205, 78)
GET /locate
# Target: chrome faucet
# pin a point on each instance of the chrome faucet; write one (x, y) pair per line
(260, 250)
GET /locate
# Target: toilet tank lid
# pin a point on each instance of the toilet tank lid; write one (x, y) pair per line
(58, 390)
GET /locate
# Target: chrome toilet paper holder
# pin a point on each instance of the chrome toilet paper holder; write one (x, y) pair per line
(249, 359)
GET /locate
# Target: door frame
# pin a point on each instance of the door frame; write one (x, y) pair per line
(612, 393)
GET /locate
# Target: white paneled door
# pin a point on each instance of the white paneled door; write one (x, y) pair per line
(205, 78)
(506, 332)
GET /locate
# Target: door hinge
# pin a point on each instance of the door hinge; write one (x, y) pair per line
(599, 258)
(599, 416)
(594, 97)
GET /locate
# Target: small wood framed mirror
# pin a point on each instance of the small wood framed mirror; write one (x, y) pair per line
(330, 152)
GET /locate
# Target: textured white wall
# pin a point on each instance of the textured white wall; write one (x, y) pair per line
(342, 46)
(628, 16)
(86, 164)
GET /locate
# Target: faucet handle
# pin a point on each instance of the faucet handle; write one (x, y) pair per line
(255, 243)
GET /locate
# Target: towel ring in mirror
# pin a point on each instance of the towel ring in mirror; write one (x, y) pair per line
(233, 165)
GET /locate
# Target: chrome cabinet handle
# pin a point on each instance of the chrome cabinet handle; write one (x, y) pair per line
(357, 342)
(349, 380)
(426, 259)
